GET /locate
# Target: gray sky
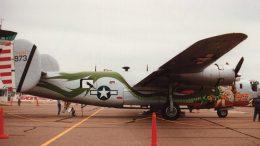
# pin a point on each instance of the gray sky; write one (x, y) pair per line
(112, 33)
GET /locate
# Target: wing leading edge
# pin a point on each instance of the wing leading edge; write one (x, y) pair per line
(195, 58)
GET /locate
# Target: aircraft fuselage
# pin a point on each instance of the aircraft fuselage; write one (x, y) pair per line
(110, 89)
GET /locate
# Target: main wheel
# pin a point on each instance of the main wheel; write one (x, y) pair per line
(170, 115)
(222, 113)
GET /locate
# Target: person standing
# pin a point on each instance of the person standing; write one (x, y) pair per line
(73, 112)
(19, 101)
(81, 107)
(59, 106)
(256, 104)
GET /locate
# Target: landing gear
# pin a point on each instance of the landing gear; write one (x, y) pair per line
(222, 113)
(170, 111)
(190, 108)
(171, 114)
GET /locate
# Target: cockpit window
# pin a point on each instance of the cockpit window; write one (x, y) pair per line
(254, 85)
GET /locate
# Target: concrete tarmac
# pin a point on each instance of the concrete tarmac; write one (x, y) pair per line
(31, 125)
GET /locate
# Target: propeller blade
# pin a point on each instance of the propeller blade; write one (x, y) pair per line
(239, 64)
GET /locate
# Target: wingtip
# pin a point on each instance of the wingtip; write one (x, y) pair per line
(245, 36)
(239, 37)
(242, 35)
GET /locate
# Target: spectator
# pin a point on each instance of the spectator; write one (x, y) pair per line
(256, 104)
(59, 106)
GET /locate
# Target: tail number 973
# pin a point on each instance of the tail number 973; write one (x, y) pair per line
(20, 58)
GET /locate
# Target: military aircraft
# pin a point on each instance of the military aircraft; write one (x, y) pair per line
(190, 78)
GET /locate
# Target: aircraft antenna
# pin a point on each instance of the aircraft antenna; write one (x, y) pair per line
(126, 68)
(1, 22)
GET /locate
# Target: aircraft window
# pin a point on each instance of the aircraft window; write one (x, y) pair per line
(112, 82)
(241, 86)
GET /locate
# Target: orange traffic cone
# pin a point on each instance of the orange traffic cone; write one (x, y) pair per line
(2, 135)
(154, 133)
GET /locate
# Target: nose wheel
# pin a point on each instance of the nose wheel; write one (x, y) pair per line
(170, 114)
(222, 113)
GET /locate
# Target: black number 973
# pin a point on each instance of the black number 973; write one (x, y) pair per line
(20, 58)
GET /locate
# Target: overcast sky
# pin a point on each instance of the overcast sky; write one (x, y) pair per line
(113, 33)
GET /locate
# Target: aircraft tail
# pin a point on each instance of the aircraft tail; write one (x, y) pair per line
(29, 65)
(6, 64)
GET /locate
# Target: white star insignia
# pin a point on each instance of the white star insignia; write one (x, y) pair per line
(103, 92)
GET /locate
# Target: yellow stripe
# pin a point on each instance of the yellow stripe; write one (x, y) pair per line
(69, 129)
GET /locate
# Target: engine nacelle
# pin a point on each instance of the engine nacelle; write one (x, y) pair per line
(211, 76)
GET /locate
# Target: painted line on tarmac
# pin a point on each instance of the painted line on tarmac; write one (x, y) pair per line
(231, 128)
(184, 123)
(30, 119)
(22, 117)
(69, 129)
(126, 122)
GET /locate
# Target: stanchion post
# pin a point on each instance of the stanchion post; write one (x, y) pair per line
(2, 135)
(37, 102)
(154, 132)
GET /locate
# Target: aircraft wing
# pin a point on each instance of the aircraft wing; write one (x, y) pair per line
(194, 59)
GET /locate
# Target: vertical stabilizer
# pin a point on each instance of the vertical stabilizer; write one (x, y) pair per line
(27, 65)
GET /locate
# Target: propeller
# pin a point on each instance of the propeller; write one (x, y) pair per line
(239, 64)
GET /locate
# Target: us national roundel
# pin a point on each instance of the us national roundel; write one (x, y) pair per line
(103, 93)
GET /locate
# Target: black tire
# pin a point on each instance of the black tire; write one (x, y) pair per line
(190, 108)
(222, 113)
(166, 114)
